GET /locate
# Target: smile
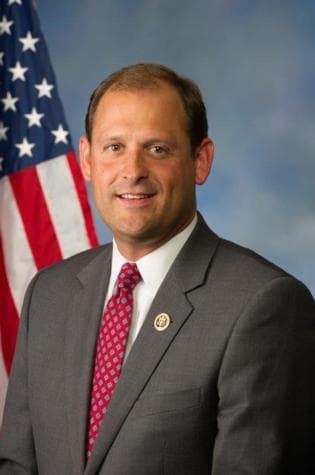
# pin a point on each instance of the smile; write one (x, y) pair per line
(131, 196)
(135, 200)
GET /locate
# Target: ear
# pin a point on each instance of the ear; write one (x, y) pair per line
(85, 157)
(203, 161)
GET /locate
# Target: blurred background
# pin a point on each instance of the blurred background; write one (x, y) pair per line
(255, 64)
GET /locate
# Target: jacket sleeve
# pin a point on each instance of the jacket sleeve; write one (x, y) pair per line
(266, 388)
(17, 454)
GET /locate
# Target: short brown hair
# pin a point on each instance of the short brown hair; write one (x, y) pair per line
(146, 76)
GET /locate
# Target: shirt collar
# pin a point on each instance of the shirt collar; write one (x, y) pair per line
(154, 266)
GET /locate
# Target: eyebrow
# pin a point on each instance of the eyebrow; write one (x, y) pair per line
(146, 143)
(115, 138)
(154, 140)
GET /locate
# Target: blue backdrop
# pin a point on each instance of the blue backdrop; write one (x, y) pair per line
(254, 62)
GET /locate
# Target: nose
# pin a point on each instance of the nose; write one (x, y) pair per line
(134, 166)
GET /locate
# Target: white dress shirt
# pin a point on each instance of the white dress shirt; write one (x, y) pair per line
(153, 268)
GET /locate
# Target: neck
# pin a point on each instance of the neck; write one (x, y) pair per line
(133, 250)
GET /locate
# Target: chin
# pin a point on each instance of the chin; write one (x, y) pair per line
(139, 235)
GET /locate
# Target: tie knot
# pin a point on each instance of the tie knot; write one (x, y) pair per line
(129, 276)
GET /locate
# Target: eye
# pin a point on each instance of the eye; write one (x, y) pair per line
(114, 147)
(158, 149)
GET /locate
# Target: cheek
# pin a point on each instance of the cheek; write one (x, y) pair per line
(168, 174)
(102, 175)
(175, 179)
(185, 177)
(101, 188)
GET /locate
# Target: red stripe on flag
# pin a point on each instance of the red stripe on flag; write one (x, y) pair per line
(35, 215)
(82, 195)
(9, 320)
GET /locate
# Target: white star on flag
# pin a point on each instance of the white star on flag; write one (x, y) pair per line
(19, 2)
(44, 88)
(34, 118)
(29, 42)
(9, 102)
(3, 131)
(1, 58)
(1, 160)
(25, 148)
(60, 134)
(5, 26)
(18, 72)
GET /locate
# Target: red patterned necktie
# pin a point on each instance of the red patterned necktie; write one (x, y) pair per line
(111, 345)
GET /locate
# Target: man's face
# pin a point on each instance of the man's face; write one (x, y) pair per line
(141, 167)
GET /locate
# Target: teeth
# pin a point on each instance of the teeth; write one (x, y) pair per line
(129, 196)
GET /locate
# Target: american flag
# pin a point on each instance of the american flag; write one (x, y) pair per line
(44, 213)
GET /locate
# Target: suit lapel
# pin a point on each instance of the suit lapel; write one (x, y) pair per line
(187, 273)
(81, 334)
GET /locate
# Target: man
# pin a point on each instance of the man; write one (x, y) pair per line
(217, 375)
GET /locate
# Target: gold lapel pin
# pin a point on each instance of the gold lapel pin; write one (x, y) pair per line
(161, 322)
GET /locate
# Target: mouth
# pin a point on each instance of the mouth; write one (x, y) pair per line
(135, 199)
(135, 196)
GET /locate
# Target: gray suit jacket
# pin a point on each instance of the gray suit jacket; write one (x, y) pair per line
(227, 389)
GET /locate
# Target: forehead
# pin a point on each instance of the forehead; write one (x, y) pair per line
(154, 101)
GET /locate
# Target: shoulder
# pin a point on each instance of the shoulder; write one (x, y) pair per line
(234, 270)
(78, 261)
(259, 291)
(228, 258)
(246, 261)
(68, 269)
